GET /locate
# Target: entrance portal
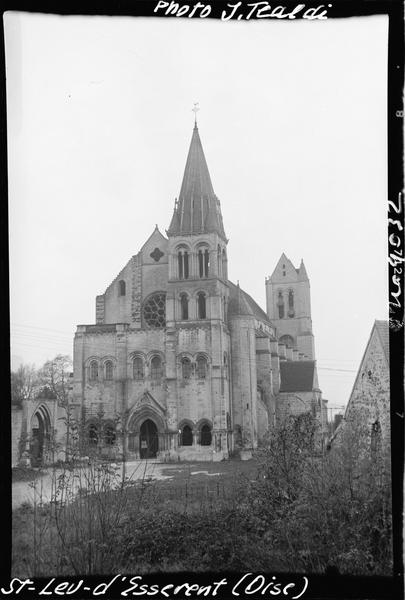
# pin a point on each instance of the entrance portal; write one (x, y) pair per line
(39, 439)
(148, 440)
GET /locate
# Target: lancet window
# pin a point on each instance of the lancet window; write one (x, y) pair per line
(184, 307)
(280, 304)
(201, 305)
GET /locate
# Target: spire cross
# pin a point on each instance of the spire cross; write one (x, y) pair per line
(195, 111)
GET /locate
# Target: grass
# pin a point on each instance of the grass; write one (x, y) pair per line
(151, 512)
(25, 474)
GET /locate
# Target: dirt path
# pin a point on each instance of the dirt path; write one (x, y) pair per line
(43, 488)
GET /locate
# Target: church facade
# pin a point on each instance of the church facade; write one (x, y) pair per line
(181, 363)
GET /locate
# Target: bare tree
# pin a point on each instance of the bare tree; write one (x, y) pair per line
(24, 384)
(54, 376)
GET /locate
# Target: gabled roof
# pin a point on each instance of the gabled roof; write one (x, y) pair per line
(241, 303)
(297, 376)
(383, 331)
(285, 264)
(198, 209)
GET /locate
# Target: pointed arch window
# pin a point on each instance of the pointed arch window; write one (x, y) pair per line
(202, 367)
(186, 438)
(184, 307)
(186, 368)
(219, 261)
(205, 435)
(156, 369)
(137, 368)
(201, 305)
(108, 370)
(291, 311)
(280, 304)
(93, 370)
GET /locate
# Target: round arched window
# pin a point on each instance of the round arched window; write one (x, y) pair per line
(154, 310)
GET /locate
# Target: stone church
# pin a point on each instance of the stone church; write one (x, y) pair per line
(181, 363)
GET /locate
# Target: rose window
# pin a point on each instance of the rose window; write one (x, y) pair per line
(154, 310)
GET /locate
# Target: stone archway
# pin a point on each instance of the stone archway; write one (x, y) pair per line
(148, 439)
(40, 432)
(147, 433)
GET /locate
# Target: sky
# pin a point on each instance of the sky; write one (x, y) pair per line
(293, 124)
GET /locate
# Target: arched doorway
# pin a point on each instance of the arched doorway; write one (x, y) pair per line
(148, 440)
(40, 431)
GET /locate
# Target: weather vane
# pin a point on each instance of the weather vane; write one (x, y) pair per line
(195, 111)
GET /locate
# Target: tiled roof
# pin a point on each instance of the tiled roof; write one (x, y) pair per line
(297, 376)
(198, 209)
(383, 330)
(241, 303)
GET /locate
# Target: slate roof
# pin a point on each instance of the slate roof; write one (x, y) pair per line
(241, 303)
(383, 331)
(198, 209)
(297, 376)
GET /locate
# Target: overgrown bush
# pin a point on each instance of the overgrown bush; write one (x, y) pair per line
(305, 511)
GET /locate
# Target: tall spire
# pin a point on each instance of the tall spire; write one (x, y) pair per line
(198, 209)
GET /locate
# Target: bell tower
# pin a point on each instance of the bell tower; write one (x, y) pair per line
(197, 301)
(289, 306)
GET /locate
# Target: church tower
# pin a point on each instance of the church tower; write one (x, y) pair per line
(289, 306)
(196, 303)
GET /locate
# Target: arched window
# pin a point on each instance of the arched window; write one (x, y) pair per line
(108, 370)
(183, 263)
(93, 370)
(121, 288)
(219, 261)
(184, 307)
(290, 303)
(109, 435)
(156, 368)
(186, 368)
(280, 304)
(186, 438)
(93, 435)
(205, 435)
(203, 262)
(201, 305)
(137, 368)
(201, 367)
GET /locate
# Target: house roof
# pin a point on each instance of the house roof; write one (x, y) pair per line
(297, 376)
(198, 209)
(383, 331)
(241, 303)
